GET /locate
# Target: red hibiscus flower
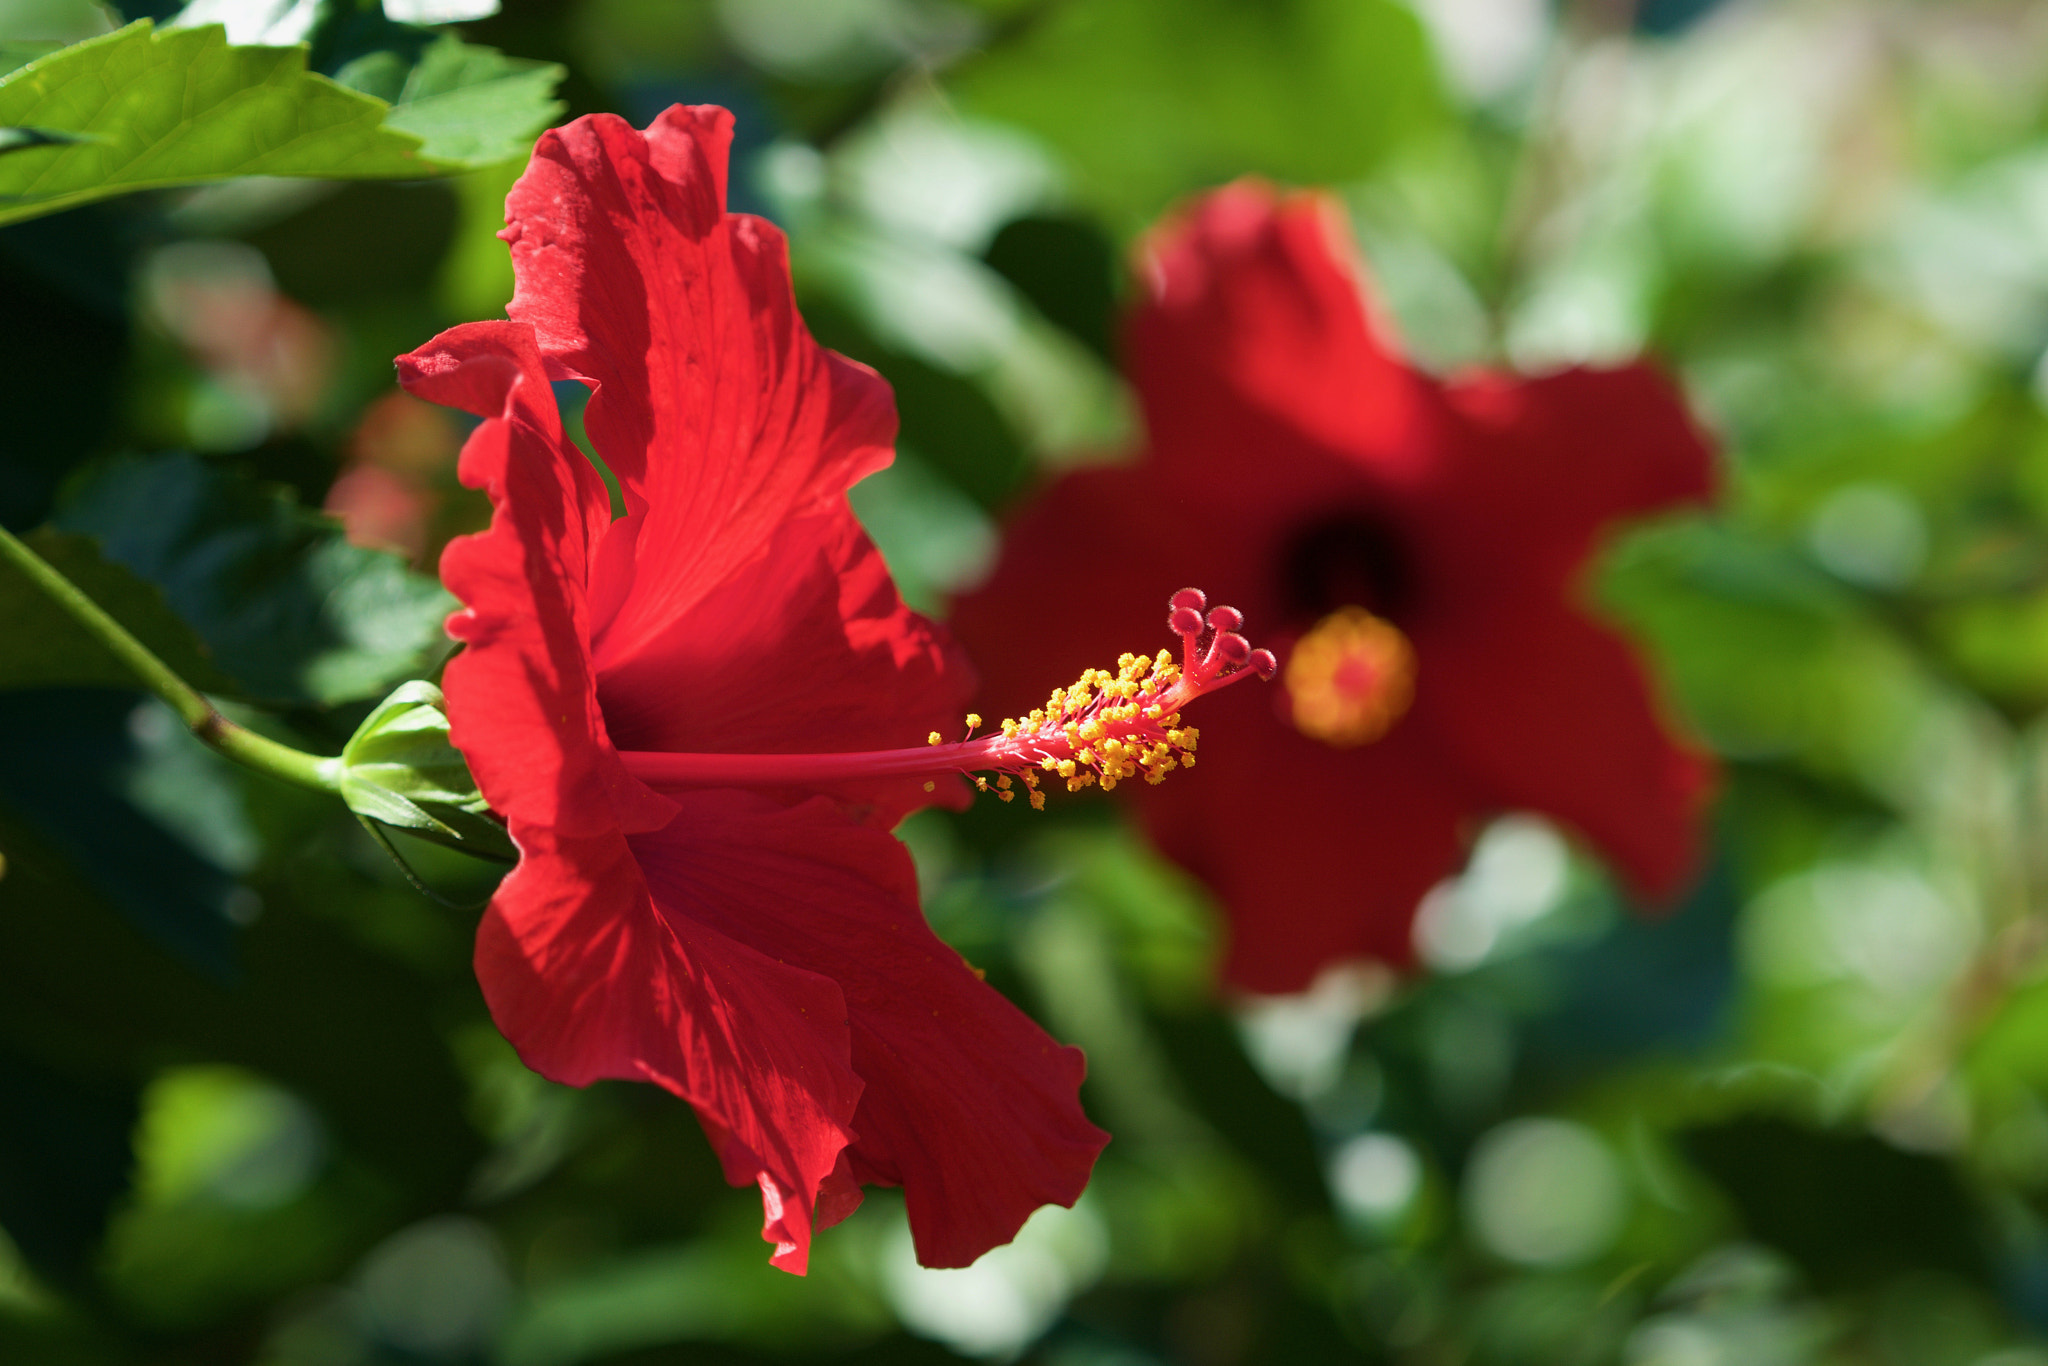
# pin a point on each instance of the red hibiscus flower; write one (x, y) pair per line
(749, 936)
(1419, 542)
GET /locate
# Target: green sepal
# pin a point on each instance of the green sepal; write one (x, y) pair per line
(399, 769)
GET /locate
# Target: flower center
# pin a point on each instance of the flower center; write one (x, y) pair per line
(1104, 728)
(1349, 679)
(1352, 558)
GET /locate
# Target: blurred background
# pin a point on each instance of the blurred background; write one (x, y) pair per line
(251, 1106)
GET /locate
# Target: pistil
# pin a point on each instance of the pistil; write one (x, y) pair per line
(1106, 727)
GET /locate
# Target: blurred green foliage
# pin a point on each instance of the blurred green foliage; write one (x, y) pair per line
(251, 1105)
(286, 607)
(1144, 99)
(65, 653)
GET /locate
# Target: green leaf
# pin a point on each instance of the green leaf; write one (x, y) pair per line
(63, 653)
(179, 106)
(154, 108)
(380, 75)
(290, 610)
(1150, 99)
(475, 106)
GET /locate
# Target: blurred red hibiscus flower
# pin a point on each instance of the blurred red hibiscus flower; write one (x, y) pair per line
(760, 952)
(1419, 543)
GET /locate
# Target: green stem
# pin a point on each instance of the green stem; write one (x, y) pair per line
(244, 746)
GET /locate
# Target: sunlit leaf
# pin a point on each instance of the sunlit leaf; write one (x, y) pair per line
(474, 105)
(178, 106)
(146, 108)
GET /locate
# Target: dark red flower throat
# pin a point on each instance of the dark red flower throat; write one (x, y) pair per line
(1350, 560)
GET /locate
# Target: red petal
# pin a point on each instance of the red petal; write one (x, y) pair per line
(1543, 466)
(1260, 368)
(1318, 855)
(1254, 334)
(581, 974)
(589, 978)
(809, 647)
(968, 1104)
(719, 414)
(1546, 711)
(521, 701)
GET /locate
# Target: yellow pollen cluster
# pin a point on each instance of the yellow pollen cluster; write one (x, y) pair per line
(1104, 728)
(1349, 679)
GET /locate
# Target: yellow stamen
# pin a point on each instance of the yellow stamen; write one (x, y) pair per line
(1110, 726)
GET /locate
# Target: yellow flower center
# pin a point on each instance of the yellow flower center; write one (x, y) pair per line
(1349, 679)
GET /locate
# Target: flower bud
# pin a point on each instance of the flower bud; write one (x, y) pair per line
(398, 768)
